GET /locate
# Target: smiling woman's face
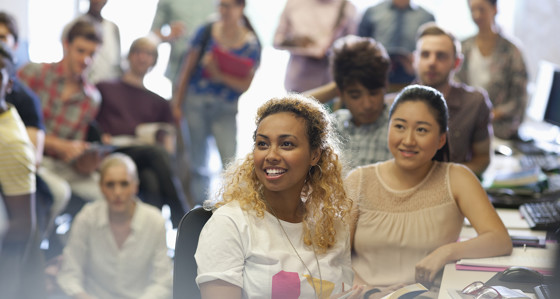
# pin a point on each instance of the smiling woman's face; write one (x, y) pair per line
(282, 153)
(414, 135)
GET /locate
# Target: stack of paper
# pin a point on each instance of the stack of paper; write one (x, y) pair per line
(525, 182)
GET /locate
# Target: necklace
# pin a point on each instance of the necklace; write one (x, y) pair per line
(300, 259)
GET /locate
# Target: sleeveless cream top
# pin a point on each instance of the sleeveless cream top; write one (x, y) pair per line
(395, 229)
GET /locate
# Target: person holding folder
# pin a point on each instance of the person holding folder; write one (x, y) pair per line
(206, 99)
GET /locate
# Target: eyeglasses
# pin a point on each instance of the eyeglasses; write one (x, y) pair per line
(143, 51)
(481, 291)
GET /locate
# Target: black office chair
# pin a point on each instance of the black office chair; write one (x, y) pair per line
(184, 272)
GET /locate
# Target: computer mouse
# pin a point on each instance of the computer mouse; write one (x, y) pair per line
(521, 274)
(503, 150)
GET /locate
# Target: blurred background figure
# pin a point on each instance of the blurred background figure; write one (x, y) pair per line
(53, 193)
(102, 258)
(436, 59)
(128, 110)
(107, 61)
(394, 23)
(208, 94)
(494, 62)
(175, 22)
(307, 29)
(21, 262)
(69, 104)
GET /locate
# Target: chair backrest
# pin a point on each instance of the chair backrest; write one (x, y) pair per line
(185, 269)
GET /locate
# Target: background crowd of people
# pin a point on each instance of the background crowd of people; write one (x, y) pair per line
(85, 137)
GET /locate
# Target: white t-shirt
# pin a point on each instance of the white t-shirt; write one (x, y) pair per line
(253, 253)
(479, 69)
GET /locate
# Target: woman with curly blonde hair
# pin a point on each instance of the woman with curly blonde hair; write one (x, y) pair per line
(278, 231)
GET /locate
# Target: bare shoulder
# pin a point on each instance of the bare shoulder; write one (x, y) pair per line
(460, 171)
(463, 180)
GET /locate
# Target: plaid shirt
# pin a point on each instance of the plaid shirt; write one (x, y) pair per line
(365, 144)
(67, 119)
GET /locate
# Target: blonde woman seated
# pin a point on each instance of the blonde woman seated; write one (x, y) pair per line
(278, 231)
(117, 246)
(409, 210)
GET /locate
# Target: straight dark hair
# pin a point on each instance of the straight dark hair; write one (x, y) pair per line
(436, 104)
(247, 22)
(10, 22)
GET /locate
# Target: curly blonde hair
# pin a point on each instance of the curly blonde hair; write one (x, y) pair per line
(325, 198)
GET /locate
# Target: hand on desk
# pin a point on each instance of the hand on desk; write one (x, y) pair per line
(429, 267)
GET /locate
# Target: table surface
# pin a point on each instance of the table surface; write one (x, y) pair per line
(458, 279)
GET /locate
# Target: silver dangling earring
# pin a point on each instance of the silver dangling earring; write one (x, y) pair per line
(320, 170)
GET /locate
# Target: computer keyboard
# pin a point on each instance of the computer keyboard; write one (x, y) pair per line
(528, 148)
(547, 162)
(541, 215)
(543, 292)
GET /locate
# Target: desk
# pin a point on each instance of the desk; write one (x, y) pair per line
(458, 279)
(510, 197)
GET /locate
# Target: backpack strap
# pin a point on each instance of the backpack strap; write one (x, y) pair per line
(204, 41)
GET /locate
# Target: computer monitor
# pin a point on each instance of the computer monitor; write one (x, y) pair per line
(542, 90)
(552, 111)
(542, 123)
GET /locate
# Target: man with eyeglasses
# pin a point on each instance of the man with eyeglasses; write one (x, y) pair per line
(127, 104)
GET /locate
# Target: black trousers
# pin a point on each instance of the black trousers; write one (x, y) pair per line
(159, 184)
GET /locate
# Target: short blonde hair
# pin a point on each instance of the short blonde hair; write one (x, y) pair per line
(143, 43)
(121, 159)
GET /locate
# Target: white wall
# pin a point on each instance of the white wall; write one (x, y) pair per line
(18, 9)
(536, 26)
(533, 23)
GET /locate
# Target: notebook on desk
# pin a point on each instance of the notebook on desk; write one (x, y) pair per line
(513, 197)
(539, 259)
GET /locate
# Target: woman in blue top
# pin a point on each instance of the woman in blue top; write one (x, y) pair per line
(206, 95)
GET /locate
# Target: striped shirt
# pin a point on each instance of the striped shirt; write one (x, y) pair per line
(17, 156)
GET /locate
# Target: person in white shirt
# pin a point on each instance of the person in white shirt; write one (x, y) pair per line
(279, 229)
(117, 246)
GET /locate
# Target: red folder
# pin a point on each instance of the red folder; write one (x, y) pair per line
(232, 64)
